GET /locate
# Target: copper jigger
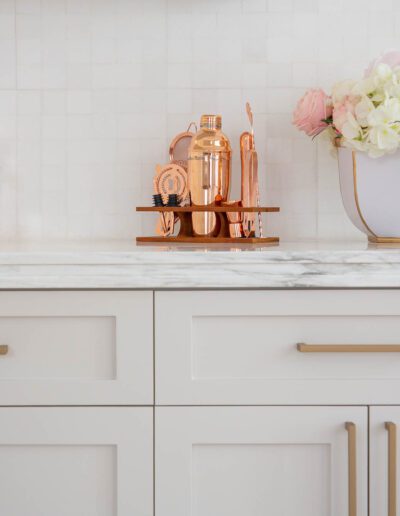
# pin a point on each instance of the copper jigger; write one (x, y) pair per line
(234, 217)
(235, 230)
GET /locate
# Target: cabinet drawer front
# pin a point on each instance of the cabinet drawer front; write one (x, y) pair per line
(384, 425)
(76, 348)
(76, 461)
(241, 347)
(259, 460)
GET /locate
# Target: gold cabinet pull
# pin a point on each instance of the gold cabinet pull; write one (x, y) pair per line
(348, 348)
(392, 467)
(351, 432)
(3, 349)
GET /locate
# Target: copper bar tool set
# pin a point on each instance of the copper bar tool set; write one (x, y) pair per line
(193, 188)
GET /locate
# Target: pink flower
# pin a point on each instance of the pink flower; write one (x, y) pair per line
(341, 109)
(311, 110)
(391, 58)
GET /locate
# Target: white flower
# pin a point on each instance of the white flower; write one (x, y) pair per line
(365, 86)
(351, 128)
(363, 109)
(375, 126)
(391, 87)
(384, 138)
(357, 145)
(341, 90)
(374, 152)
(388, 112)
(383, 72)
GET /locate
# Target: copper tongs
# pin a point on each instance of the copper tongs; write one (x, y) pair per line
(250, 187)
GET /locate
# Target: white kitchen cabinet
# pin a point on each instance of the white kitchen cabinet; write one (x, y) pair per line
(76, 461)
(240, 347)
(384, 461)
(76, 348)
(246, 421)
(253, 461)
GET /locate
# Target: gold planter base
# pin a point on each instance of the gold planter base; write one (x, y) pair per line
(384, 240)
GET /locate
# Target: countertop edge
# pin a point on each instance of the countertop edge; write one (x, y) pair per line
(204, 276)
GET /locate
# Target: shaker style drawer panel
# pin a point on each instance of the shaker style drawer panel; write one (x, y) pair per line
(277, 347)
(236, 461)
(76, 348)
(76, 461)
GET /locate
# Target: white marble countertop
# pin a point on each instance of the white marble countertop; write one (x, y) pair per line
(122, 264)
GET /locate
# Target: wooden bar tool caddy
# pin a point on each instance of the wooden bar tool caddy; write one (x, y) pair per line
(187, 235)
(204, 212)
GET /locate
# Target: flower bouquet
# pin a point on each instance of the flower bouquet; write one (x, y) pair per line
(363, 119)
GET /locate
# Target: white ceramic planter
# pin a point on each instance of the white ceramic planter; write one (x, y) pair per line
(371, 193)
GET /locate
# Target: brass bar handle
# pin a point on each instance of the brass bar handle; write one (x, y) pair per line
(348, 348)
(352, 450)
(3, 349)
(392, 468)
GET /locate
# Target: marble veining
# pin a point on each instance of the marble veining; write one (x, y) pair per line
(122, 264)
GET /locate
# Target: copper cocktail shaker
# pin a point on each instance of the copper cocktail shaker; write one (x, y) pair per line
(209, 172)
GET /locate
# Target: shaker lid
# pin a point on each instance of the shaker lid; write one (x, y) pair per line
(211, 121)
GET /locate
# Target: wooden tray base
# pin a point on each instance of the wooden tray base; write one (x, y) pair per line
(207, 240)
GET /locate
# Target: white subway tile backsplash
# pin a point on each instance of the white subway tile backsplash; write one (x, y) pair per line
(280, 5)
(54, 177)
(254, 75)
(79, 50)
(180, 50)
(8, 60)
(92, 91)
(305, 5)
(79, 76)
(7, 26)
(54, 7)
(304, 49)
(305, 24)
(79, 102)
(28, 26)
(54, 76)
(123, 76)
(279, 150)
(281, 100)
(29, 51)
(280, 24)
(104, 50)
(280, 50)
(380, 24)
(8, 103)
(104, 126)
(53, 152)
(105, 101)
(29, 127)
(54, 127)
(305, 75)
(28, 102)
(254, 6)
(382, 5)
(180, 101)
(28, 154)
(54, 102)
